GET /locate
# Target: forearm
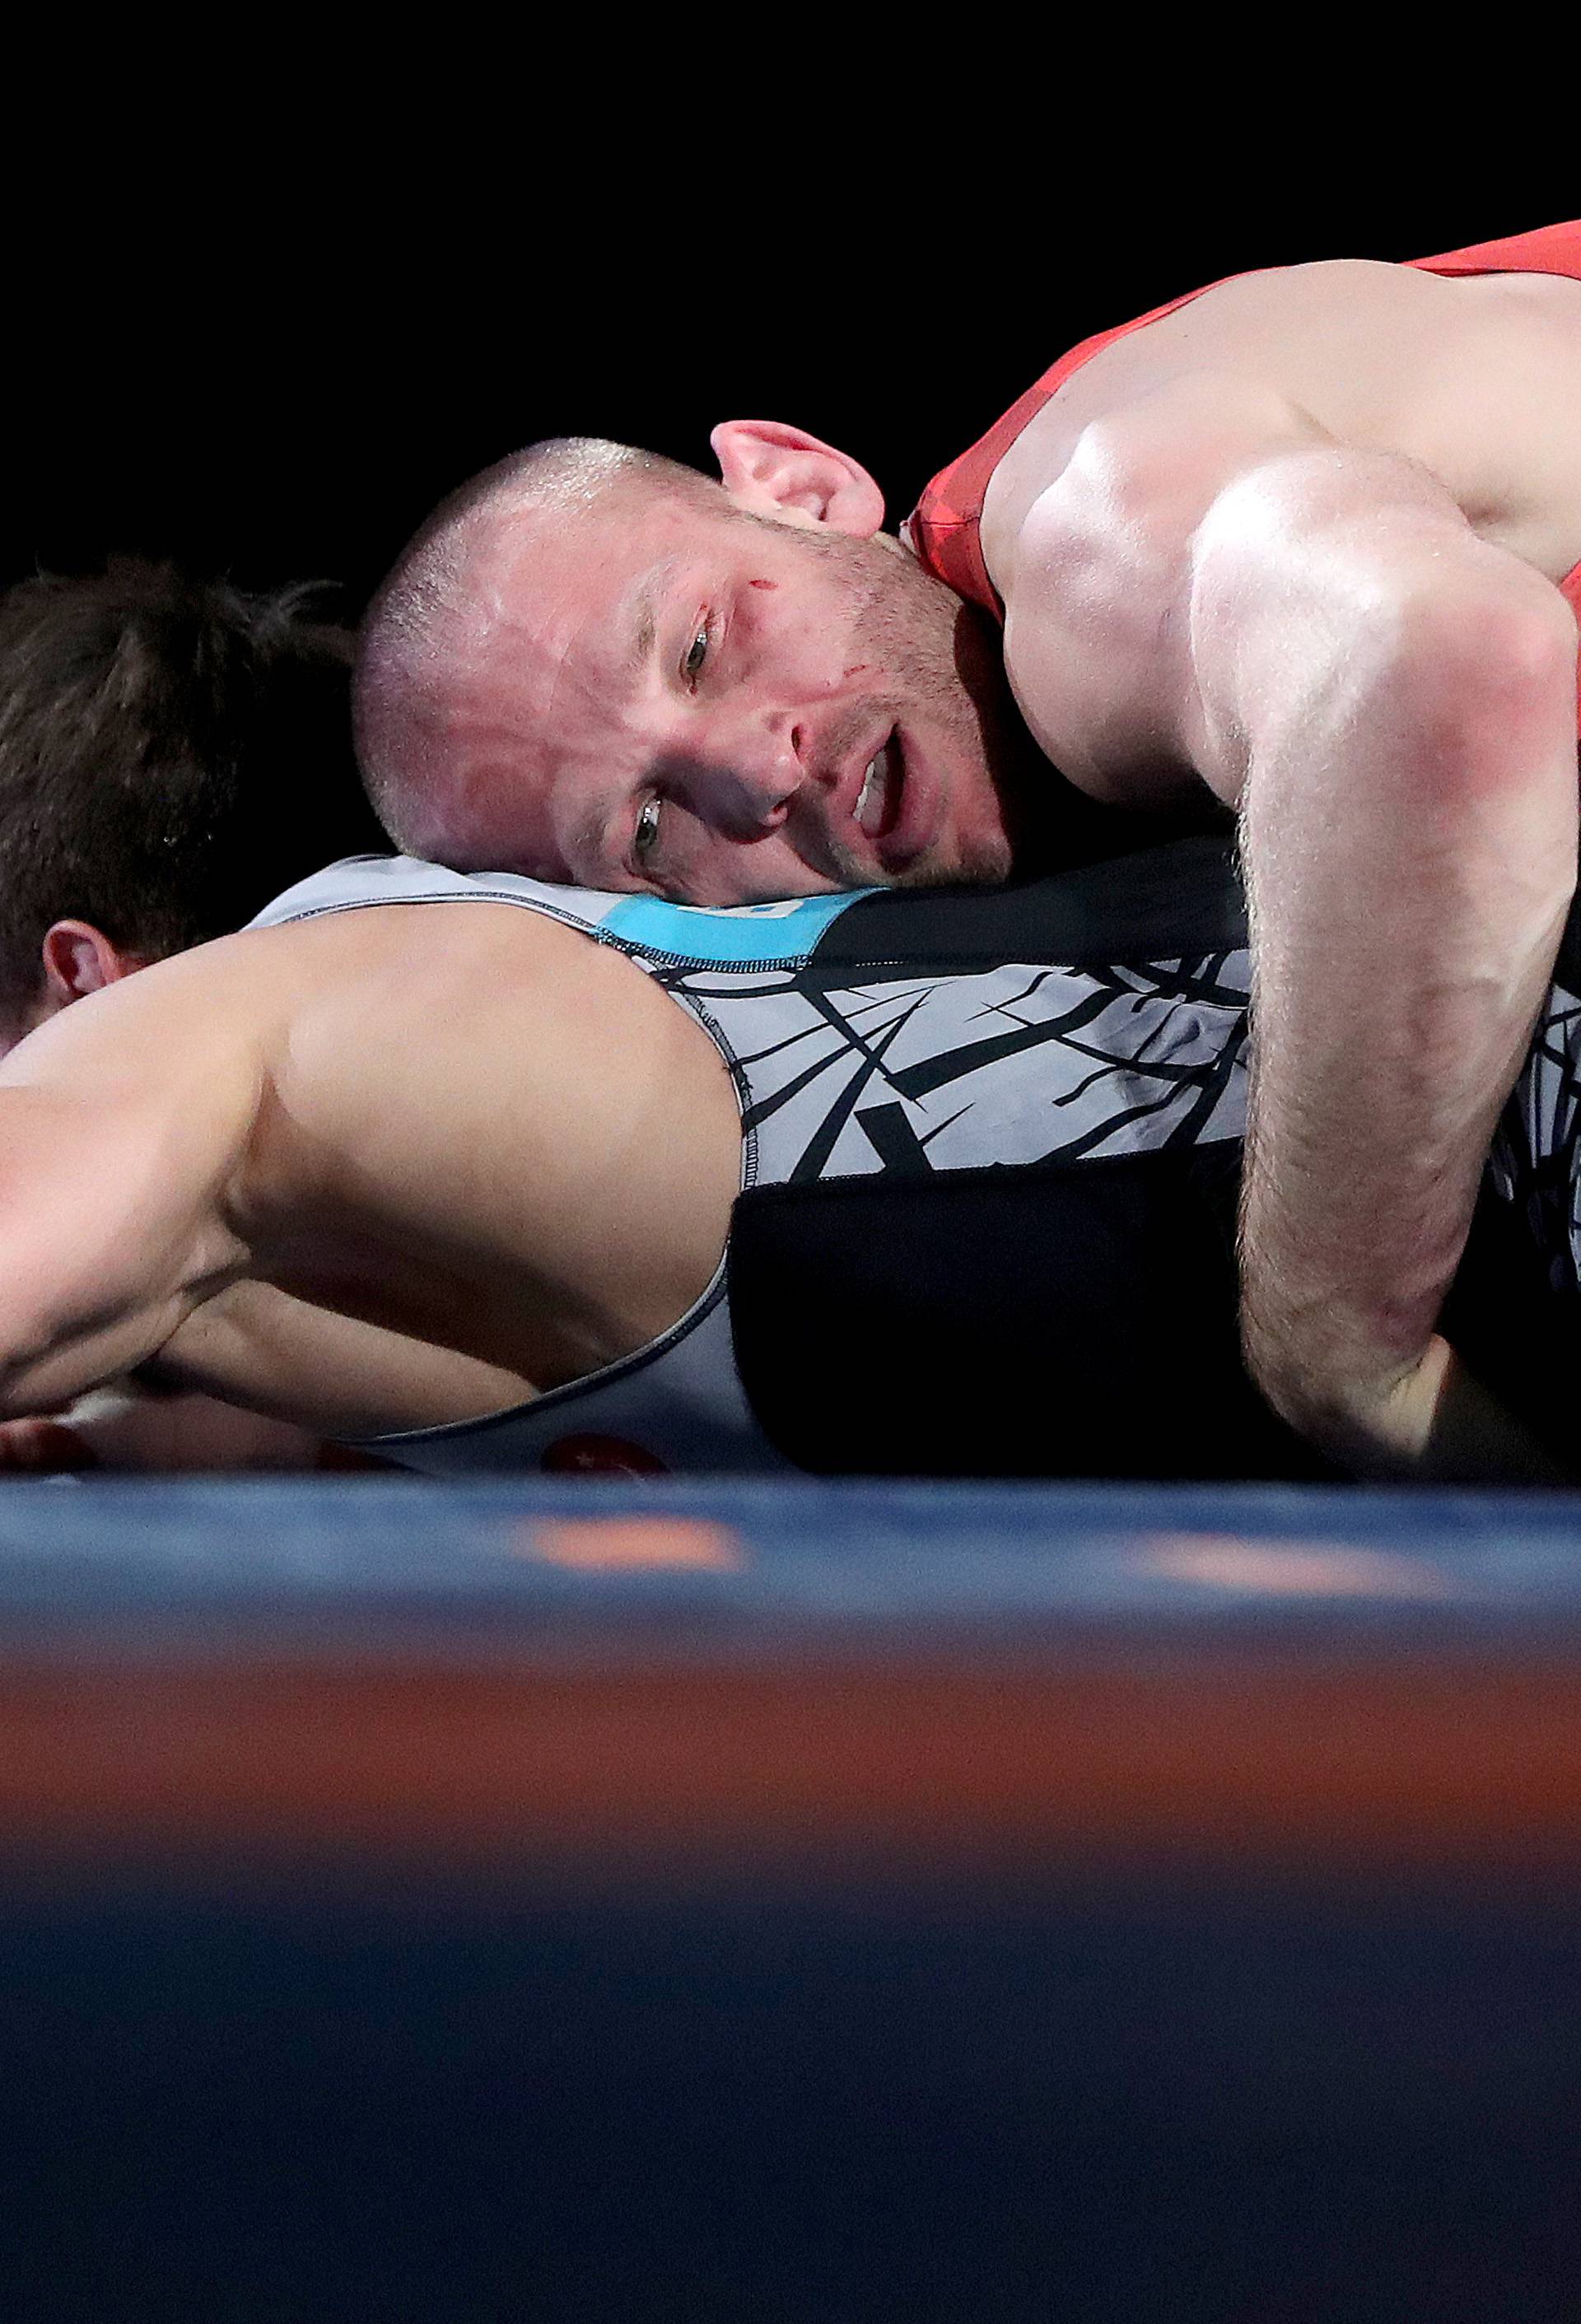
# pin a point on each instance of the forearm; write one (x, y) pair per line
(1410, 851)
(117, 1140)
(336, 1375)
(122, 1426)
(102, 1247)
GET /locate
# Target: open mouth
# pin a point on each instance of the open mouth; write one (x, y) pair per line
(878, 802)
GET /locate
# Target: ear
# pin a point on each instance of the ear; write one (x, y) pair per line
(80, 959)
(783, 472)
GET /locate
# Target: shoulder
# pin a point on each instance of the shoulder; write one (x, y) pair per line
(1232, 358)
(477, 1061)
(1097, 573)
(1137, 477)
(465, 972)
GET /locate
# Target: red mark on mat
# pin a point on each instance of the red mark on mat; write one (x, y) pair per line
(587, 1455)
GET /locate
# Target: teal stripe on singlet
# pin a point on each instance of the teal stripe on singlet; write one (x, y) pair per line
(736, 937)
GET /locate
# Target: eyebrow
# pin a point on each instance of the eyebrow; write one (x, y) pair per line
(645, 634)
(588, 837)
(590, 834)
(645, 629)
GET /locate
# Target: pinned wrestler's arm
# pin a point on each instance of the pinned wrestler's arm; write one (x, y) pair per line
(1388, 701)
(472, 1130)
(255, 1378)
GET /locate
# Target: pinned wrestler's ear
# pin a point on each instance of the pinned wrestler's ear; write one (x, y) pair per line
(777, 471)
(79, 959)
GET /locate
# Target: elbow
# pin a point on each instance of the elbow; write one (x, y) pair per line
(1473, 685)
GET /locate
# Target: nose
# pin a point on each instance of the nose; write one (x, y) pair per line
(745, 783)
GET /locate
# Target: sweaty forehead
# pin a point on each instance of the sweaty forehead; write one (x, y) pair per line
(569, 612)
(544, 736)
(519, 806)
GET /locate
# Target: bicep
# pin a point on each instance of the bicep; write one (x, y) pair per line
(1334, 585)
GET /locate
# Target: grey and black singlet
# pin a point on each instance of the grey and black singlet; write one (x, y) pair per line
(989, 1151)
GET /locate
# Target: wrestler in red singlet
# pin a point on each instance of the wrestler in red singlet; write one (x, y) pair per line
(943, 530)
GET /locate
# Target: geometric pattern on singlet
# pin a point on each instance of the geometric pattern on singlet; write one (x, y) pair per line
(855, 1067)
(852, 1067)
(847, 1068)
(845, 1073)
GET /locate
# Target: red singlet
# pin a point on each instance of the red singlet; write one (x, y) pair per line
(943, 530)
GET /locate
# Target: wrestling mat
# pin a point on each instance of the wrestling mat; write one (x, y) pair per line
(803, 1904)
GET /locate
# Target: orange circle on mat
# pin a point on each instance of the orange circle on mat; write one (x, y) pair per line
(627, 1544)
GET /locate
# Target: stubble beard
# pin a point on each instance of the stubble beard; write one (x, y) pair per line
(943, 672)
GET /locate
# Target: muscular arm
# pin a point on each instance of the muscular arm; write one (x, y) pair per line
(1389, 703)
(256, 1380)
(1392, 703)
(376, 1171)
(289, 1361)
(119, 1130)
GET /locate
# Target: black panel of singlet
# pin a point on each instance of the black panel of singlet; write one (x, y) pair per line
(1158, 903)
(1071, 1319)
(1518, 1329)
(1066, 1320)
(1162, 903)
(1568, 967)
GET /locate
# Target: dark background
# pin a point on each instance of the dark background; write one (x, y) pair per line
(279, 386)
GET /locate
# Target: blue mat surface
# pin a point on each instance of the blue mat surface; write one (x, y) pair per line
(1150, 2091)
(493, 1565)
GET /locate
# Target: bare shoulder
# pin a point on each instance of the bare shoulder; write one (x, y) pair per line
(472, 988)
(1095, 574)
(1245, 330)
(1450, 372)
(482, 1130)
(489, 1049)
(411, 1033)
(1418, 385)
(1370, 349)
(427, 952)
(419, 964)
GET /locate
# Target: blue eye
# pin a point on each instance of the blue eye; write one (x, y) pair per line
(696, 654)
(647, 830)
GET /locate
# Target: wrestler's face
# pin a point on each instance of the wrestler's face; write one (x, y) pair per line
(724, 704)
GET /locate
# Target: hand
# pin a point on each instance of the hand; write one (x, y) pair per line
(1436, 1421)
(125, 1427)
(41, 1445)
